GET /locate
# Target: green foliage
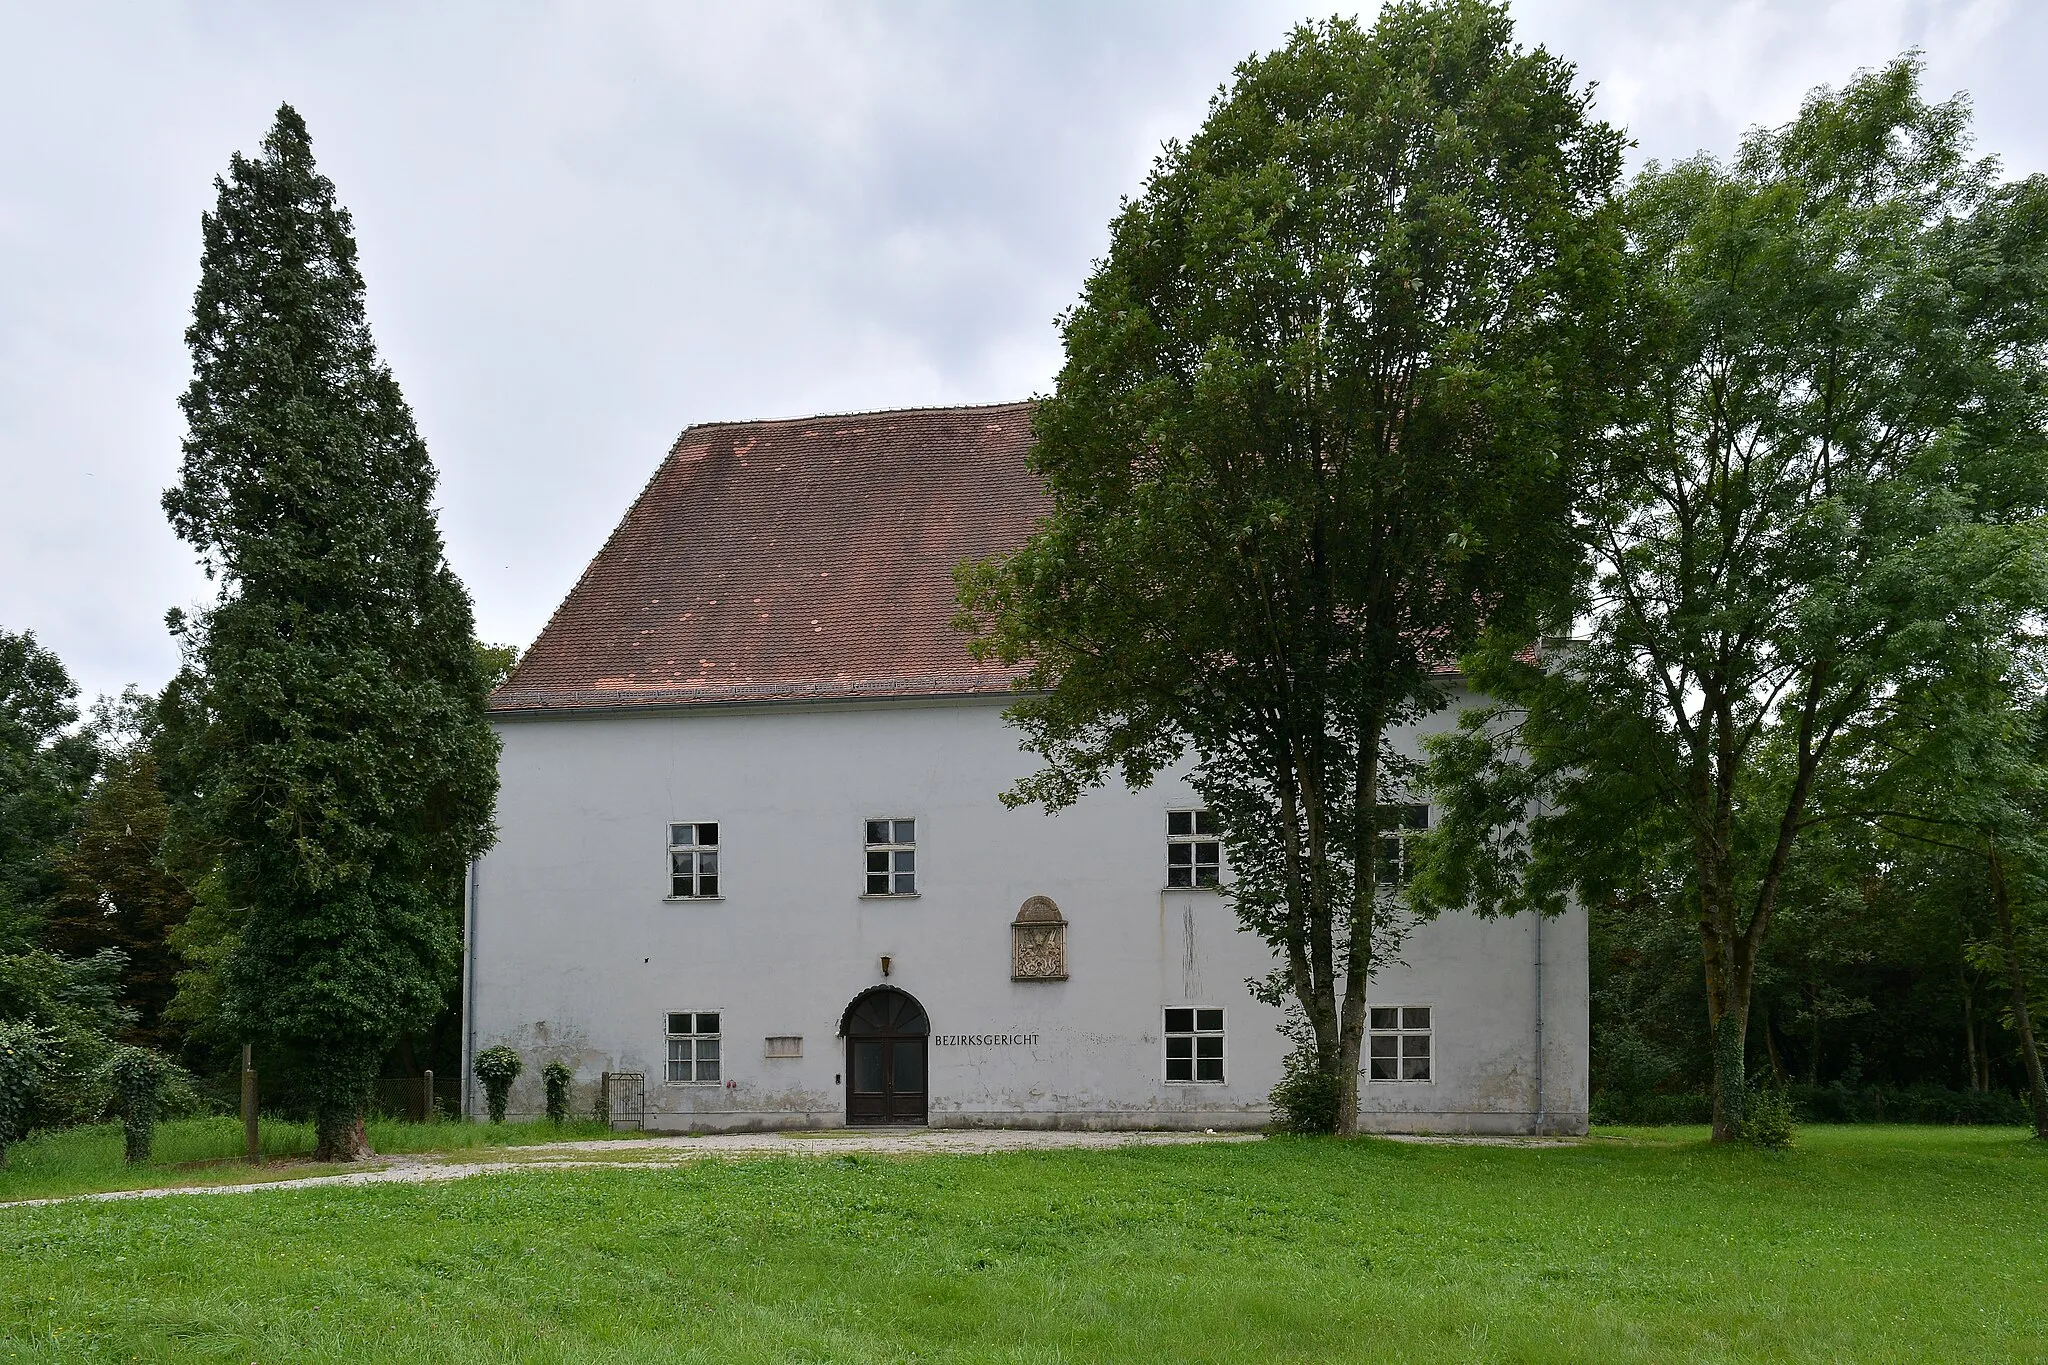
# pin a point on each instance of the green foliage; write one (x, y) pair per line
(1314, 426)
(138, 1077)
(557, 1079)
(113, 889)
(45, 767)
(1307, 1098)
(497, 1067)
(76, 1004)
(25, 1057)
(1829, 470)
(326, 740)
(1768, 1121)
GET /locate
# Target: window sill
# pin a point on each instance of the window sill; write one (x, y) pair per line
(1370, 1081)
(693, 1085)
(1194, 1082)
(1212, 890)
(891, 895)
(689, 900)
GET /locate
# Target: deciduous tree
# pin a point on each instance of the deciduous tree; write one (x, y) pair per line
(1314, 427)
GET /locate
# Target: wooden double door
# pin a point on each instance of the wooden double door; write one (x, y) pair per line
(886, 1039)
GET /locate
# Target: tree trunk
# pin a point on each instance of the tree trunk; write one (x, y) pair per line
(2016, 979)
(343, 1088)
(341, 1139)
(1970, 1032)
(1364, 923)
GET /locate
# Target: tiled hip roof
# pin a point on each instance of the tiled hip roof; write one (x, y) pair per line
(807, 558)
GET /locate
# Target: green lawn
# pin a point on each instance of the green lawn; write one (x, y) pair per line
(208, 1152)
(1862, 1244)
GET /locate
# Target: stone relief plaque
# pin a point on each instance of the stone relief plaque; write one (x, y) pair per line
(1038, 942)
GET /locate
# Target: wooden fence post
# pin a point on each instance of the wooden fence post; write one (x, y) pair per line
(249, 1133)
(427, 1096)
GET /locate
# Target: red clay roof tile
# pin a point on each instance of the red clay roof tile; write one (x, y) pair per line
(804, 558)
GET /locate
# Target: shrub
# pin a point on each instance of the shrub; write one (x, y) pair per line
(1767, 1121)
(557, 1079)
(24, 1059)
(138, 1077)
(1306, 1099)
(497, 1067)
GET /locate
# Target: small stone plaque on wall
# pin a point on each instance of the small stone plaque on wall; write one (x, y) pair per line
(1038, 942)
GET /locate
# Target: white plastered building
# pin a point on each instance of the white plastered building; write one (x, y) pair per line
(753, 865)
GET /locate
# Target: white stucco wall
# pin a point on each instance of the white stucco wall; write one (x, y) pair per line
(576, 955)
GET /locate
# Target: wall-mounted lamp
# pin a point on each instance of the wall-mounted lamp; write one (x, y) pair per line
(885, 964)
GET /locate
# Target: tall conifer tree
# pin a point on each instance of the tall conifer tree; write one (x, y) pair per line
(330, 717)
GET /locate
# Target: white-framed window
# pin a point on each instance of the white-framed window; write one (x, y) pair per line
(1194, 1044)
(1400, 1047)
(1194, 855)
(693, 1048)
(892, 857)
(1398, 825)
(693, 860)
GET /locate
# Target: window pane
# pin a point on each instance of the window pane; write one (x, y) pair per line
(1415, 1045)
(679, 1023)
(906, 884)
(1209, 1019)
(1208, 1047)
(906, 831)
(878, 831)
(679, 1059)
(1385, 1016)
(1180, 1070)
(878, 884)
(1180, 1021)
(1179, 876)
(707, 864)
(1212, 854)
(867, 1068)
(1205, 822)
(707, 886)
(1205, 876)
(1418, 817)
(679, 886)
(682, 834)
(1386, 1044)
(878, 861)
(909, 1063)
(681, 864)
(1179, 823)
(1385, 1069)
(707, 1023)
(1415, 1068)
(1179, 855)
(707, 834)
(1208, 1068)
(1415, 1016)
(1181, 1047)
(906, 861)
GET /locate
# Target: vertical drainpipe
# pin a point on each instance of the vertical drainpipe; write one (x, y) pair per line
(1539, 1020)
(469, 987)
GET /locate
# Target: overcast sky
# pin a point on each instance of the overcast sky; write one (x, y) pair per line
(585, 227)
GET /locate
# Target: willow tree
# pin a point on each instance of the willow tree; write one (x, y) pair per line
(328, 729)
(1315, 425)
(1828, 469)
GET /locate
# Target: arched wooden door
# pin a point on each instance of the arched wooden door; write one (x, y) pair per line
(886, 1035)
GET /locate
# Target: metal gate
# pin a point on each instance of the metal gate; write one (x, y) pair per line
(622, 1100)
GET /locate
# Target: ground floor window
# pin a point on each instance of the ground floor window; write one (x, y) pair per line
(1400, 1045)
(1194, 1044)
(693, 1048)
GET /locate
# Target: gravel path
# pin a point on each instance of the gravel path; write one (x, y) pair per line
(659, 1152)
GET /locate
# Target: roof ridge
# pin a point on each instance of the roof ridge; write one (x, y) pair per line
(858, 412)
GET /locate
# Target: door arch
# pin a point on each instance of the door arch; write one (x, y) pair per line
(886, 1034)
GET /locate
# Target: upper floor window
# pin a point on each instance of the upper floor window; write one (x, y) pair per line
(1398, 825)
(693, 860)
(892, 858)
(1194, 855)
